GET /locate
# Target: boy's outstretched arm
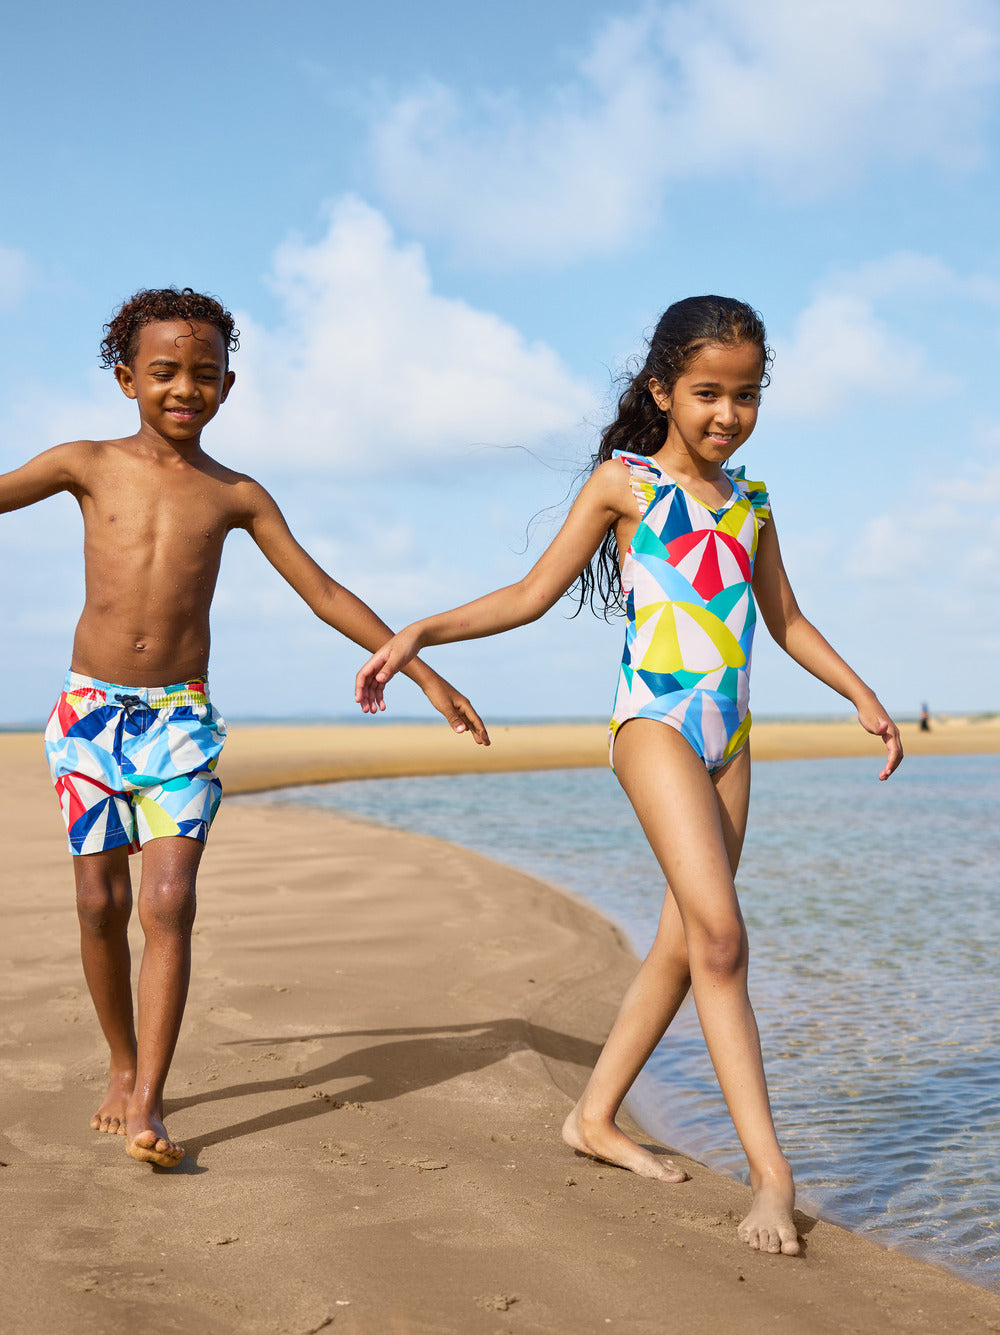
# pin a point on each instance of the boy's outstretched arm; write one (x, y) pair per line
(342, 610)
(802, 641)
(53, 471)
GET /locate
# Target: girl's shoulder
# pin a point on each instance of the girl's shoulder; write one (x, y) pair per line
(644, 478)
(638, 462)
(754, 492)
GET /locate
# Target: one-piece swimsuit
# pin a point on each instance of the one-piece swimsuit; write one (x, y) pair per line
(691, 612)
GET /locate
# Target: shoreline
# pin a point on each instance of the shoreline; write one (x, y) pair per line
(383, 1035)
(260, 757)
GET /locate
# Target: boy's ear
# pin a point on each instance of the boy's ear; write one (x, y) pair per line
(126, 380)
(228, 381)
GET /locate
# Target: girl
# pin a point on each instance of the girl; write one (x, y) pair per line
(696, 545)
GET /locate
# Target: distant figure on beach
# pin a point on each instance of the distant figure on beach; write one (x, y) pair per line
(133, 741)
(925, 718)
(664, 530)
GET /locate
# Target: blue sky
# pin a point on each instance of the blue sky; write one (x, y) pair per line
(443, 229)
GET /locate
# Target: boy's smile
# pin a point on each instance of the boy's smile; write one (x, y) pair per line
(179, 378)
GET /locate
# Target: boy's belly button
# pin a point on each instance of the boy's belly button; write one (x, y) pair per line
(140, 646)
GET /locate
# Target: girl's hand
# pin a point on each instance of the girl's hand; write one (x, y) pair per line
(874, 719)
(369, 684)
(456, 708)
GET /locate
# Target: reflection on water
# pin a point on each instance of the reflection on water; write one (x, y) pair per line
(873, 918)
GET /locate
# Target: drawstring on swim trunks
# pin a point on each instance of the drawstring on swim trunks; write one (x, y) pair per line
(131, 702)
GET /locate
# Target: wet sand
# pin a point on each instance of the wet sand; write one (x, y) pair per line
(383, 1035)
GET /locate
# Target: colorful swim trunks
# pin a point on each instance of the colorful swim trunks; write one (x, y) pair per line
(134, 763)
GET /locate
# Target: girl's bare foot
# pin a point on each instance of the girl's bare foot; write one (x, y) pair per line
(770, 1227)
(110, 1116)
(605, 1141)
(146, 1139)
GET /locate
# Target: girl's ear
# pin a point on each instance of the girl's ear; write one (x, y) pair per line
(126, 380)
(660, 396)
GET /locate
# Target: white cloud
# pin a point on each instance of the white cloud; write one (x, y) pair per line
(15, 275)
(841, 349)
(369, 360)
(852, 341)
(801, 96)
(947, 539)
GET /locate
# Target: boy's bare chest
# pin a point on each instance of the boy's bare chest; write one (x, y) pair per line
(186, 511)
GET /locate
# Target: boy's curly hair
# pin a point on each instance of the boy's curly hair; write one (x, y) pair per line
(121, 340)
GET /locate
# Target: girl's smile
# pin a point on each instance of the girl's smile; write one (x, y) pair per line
(712, 408)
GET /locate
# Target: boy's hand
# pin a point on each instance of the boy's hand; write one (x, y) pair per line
(456, 709)
(874, 719)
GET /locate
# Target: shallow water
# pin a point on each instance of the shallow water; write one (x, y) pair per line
(873, 918)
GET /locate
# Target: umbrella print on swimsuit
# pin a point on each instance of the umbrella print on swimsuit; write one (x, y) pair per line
(711, 561)
(672, 637)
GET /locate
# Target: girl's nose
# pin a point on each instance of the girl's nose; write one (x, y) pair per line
(725, 412)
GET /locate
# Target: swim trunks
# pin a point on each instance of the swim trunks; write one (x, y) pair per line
(690, 609)
(134, 763)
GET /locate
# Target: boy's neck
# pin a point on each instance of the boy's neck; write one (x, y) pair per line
(149, 439)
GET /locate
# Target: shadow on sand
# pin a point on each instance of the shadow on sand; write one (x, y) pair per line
(409, 1059)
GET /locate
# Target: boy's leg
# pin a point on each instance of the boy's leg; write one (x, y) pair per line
(103, 905)
(166, 912)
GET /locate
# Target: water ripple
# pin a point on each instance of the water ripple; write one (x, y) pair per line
(874, 925)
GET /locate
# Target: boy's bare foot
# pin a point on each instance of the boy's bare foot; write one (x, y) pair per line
(606, 1142)
(110, 1116)
(146, 1139)
(769, 1227)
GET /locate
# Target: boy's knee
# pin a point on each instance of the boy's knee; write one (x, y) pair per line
(103, 908)
(168, 905)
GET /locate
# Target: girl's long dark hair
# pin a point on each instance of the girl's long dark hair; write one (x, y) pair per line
(640, 427)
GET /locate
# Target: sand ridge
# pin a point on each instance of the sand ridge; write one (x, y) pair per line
(383, 1035)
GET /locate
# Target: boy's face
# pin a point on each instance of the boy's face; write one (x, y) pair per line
(179, 378)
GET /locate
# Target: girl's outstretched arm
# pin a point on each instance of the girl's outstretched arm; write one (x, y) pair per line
(802, 641)
(343, 610)
(604, 498)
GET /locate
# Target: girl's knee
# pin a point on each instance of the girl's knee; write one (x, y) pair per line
(722, 951)
(669, 954)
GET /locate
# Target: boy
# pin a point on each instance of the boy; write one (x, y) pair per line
(133, 763)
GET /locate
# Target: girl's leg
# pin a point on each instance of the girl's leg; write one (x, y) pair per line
(649, 1005)
(648, 1008)
(695, 827)
(166, 911)
(104, 905)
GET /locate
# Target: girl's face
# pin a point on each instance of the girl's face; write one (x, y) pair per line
(713, 404)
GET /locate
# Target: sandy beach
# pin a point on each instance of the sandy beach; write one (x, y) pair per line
(383, 1035)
